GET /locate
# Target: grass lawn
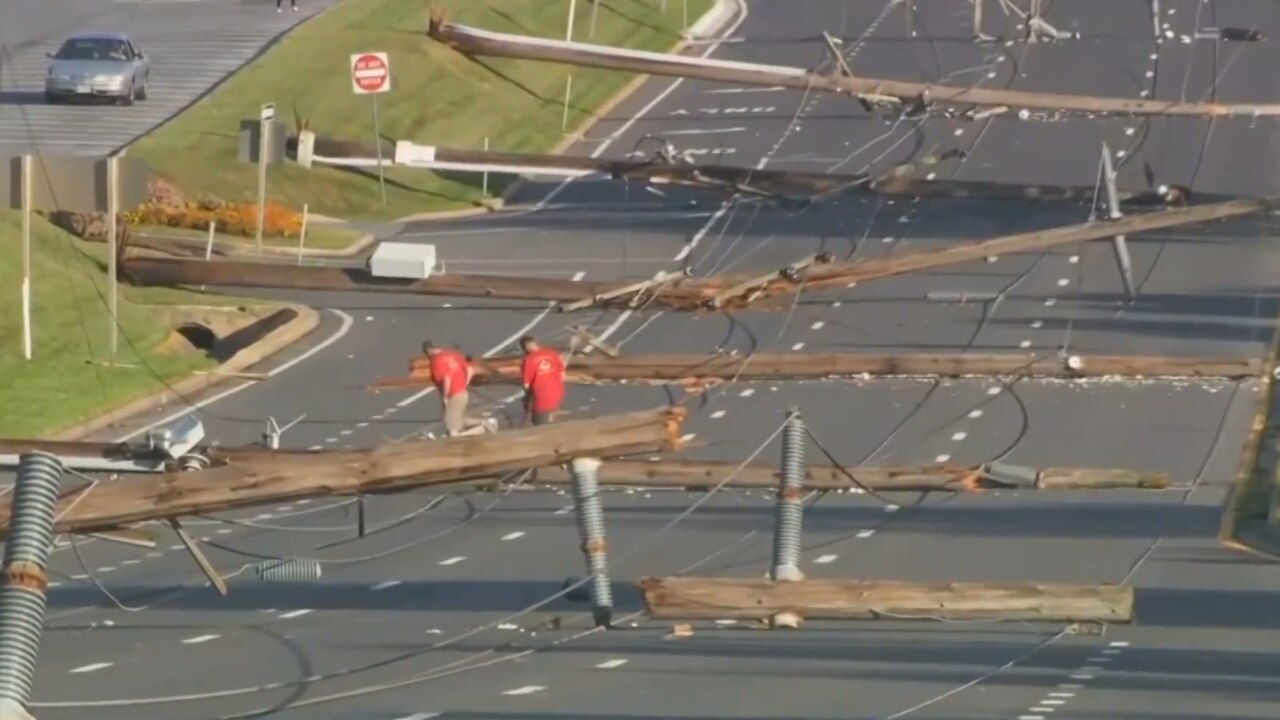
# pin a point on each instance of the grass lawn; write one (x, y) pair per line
(319, 237)
(59, 387)
(437, 97)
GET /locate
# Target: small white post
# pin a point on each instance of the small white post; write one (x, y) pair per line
(568, 81)
(484, 179)
(27, 202)
(302, 233)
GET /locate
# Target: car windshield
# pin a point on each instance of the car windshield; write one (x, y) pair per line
(93, 49)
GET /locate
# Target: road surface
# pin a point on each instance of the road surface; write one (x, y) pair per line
(438, 614)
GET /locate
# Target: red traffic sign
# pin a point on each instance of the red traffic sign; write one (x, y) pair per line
(370, 73)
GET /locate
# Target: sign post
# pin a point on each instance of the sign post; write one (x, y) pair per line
(265, 116)
(113, 289)
(371, 75)
(568, 81)
(27, 202)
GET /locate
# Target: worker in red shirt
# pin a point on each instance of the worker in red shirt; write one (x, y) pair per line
(542, 374)
(451, 373)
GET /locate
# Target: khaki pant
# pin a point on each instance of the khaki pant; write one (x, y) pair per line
(455, 414)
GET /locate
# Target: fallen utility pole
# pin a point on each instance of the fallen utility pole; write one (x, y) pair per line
(148, 272)
(704, 475)
(912, 96)
(691, 598)
(677, 293)
(585, 369)
(273, 477)
(710, 292)
(670, 167)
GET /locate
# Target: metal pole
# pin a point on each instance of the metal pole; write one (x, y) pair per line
(377, 141)
(686, 18)
(113, 285)
(911, 17)
(590, 514)
(790, 511)
(1155, 18)
(1113, 210)
(27, 202)
(568, 81)
(977, 18)
(595, 9)
(484, 179)
(264, 125)
(26, 556)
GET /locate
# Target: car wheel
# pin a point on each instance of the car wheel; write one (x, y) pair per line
(50, 99)
(142, 91)
(127, 98)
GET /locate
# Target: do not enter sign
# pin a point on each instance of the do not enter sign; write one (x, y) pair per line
(370, 73)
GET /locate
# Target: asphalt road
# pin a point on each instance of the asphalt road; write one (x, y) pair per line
(193, 45)
(432, 615)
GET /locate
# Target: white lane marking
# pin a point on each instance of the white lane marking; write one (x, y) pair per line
(1119, 643)
(453, 560)
(1082, 676)
(412, 398)
(1037, 324)
(835, 304)
(717, 414)
(798, 346)
(1091, 668)
(891, 508)
(513, 535)
(817, 325)
(106, 569)
(362, 424)
(611, 664)
(1063, 282)
(747, 393)
(1024, 344)
(743, 12)
(92, 668)
(975, 414)
(1074, 259)
(1071, 686)
(564, 510)
(135, 562)
(1041, 709)
(577, 277)
(702, 231)
(313, 448)
(1051, 302)
(825, 559)
(706, 131)
(200, 639)
(1062, 695)
(294, 614)
(346, 432)
(994, 391)
(329, 441)
(1099, 659)
(156, 554)
(385, 585)
(865, 533)
(942, 458)
(688, 436)
(957, 437)
(526, 690)
(335, 337)
(1111, 651)
(419, 716)
(1053, 702)
(1030, 717)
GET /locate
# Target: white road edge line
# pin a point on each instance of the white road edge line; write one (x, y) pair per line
(335, 337)
(92, 668)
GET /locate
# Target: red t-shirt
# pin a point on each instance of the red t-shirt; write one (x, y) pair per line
(543, 372)
(449, 364)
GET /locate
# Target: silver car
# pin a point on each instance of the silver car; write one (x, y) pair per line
(106, 65)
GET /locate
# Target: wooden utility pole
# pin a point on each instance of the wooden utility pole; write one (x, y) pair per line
(665, 368)
(690, 598)
(484, 43)
(273, 477)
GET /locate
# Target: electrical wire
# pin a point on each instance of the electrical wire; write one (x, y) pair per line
(396, 659)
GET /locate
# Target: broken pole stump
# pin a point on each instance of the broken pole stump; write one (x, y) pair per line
(692, 598)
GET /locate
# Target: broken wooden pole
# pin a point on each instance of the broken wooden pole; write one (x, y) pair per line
(270, 477)
(710, 474)
(474, 41)
(692, 598)
(663, 368)
(708, 291)
(147, 272)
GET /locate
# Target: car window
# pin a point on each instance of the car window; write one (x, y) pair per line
(94, 49)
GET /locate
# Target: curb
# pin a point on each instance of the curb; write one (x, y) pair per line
(300, 326)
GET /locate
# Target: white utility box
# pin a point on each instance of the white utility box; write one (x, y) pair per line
(403, 260)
